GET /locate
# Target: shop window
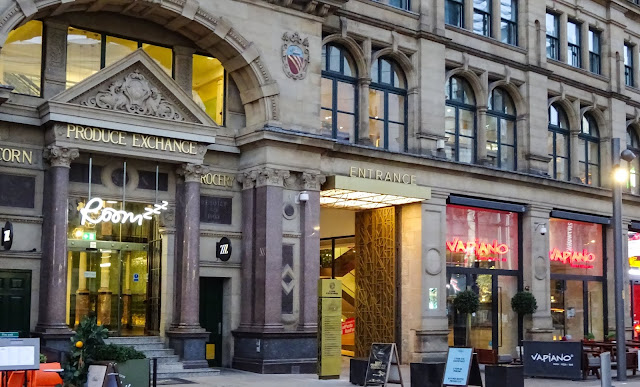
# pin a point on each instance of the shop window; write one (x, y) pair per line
(338, 94)
(482, 238)
(589, 151)
(509, 21)
(460, 121)
(575, 247)
(501, 130)
(388, 106)
(574, 41)
(558, 143)
(454, 12)
(553, 36)
(633, 143)
(208, 86)
(482, 17)
(21, 59)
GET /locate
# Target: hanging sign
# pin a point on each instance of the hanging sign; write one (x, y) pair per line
(7, 236)
(223, 249)
(95, 212)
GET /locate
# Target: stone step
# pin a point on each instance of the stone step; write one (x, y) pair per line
(133, 340)
(173, 359)
(188, 373)
(145, 346)
(159, 353)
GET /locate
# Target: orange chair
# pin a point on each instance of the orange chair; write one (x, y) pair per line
(17, 379)
(43, 378)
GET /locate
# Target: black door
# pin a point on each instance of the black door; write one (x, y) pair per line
(211, 317)
(15, 301)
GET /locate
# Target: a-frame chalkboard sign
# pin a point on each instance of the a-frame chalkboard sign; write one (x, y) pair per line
(382, 357)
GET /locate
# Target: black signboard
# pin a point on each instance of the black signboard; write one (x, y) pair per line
(215, 209)
(553, 359)
(223, 249)
(381, 358)
(7, 236)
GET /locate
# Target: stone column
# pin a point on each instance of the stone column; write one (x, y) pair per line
(188, 338)
(481, 136)
(183, 67)
(496, 32)
(55, 56)
(584, 45)
(104, 293)
(467, 19)
(52, 327)
(248, 180)
(363, 111)
(309, 250)
(432, 337)
(126, 292)
(82, 294)
(564, 45)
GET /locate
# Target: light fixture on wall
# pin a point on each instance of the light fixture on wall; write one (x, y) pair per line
(541, 228)
(440, 144)
(302, 197)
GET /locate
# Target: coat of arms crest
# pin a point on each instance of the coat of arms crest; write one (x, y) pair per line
(295, 55)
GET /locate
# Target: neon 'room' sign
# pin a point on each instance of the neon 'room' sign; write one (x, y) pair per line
(95, 212)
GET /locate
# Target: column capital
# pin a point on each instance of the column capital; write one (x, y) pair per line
(312, 181)
(60, 156)
(364, 81)
(183, 50)
(271, 176)
(192, 173)
(247, 179)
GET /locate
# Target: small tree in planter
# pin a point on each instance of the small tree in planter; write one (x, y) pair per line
(89, 335)
(466, 303)
(524, 303)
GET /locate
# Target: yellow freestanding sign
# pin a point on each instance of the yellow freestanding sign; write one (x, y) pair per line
(329, 328)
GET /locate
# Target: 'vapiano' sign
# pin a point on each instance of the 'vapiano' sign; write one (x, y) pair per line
(95, 212)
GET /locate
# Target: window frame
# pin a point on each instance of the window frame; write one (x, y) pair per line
(336, 77)
(629, 77)
(574, 50)
(457, 106)
(458, 4)
(634, 146)
(511, 118)
(595, 56)
(512, 25)
(556, 130)
(555, 40)
(391, 89)
(486, 18)
(406, 7)
(225, 77)
(589, 138)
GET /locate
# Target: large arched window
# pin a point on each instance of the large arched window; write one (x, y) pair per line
(388, 106)
(501, 130)
(460, 121)
(21, 59)
(338, 101)
(633, 143)
(558, 143)
(589, 151)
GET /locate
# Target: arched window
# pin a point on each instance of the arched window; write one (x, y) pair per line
(501, 130)
(21, 59)
(460, 121)
(558, 143)
(633, 143)
(388, 106)
(589, 151)
(338, 101)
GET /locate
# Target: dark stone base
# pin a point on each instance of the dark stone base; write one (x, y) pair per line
(276, 353)
(504, 375)
(56, 338)
(190, 345)
(427, 374)
(358, 370)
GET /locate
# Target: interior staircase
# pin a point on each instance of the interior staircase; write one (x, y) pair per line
(169, 364)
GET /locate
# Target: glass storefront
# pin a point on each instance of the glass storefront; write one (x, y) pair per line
(482, 255)
(577, 300)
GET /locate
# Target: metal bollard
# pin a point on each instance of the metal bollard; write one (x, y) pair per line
(605, 369)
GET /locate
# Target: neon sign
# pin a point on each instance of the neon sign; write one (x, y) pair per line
(481, 250)
(94, 212)
(577, 259)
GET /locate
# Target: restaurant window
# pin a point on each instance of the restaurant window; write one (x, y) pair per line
(509, 21)
(460, 121)
(553, 36)
(628, 64)
(574, 41)
(594, 51)
(482, 17)
(501, 130)
(633, 144)
(338, 94)
(388, 106)
(208, 86)
(454, 12)
(21, 59)
(577, 284)
(558, 143)
(589, 151)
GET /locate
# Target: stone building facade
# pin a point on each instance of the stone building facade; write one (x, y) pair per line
(413, 149)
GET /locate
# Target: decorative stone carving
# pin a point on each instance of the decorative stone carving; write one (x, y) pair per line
(540, 268)
(192, 172)
(271, 176)
(167, 218)
(59, 156)
(433, 262)
(313, 181)
(247, 179)
(135, 95)
(295, 56)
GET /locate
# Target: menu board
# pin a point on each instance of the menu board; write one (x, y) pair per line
(379, 363)
(458, 366)
(19, 354)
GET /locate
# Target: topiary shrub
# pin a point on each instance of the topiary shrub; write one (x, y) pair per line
(466, 302)
(117, 353)
(524, 303)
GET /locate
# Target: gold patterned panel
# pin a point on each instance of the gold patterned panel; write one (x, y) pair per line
(375, 278)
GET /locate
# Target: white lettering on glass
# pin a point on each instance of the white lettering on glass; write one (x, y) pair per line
(94, 212)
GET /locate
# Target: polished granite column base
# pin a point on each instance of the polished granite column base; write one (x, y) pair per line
(190, 344)
(276, 353)
(57, 337)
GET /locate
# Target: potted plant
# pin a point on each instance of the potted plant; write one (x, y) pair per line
(466, 303)
(89, 335)
(524, 303)
(611, 336)
(590, 337)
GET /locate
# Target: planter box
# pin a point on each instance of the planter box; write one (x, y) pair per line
(132, 373)
(427, 374)
(358, 370)
(504, 375)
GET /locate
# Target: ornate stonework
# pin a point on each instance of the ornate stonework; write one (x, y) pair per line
(192, 172)
(271, 176)
(312, 181)
(135, 95)
(295, 56)
(59, 156)
(248, 179)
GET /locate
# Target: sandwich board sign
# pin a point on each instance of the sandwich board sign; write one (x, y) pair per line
(458, 367)
(381, 358)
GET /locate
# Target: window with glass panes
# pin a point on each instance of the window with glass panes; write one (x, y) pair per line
(594, 51)
(558, 143)
(460, 121)
(88, 52)
(403, 4)
(482, 17)
(21, 59)
(509, 21)
(589, 151)
(454, 12)
(501, 130)
(574, 56)
(553, 36)
(207, 86)
(633, 143)
(628, 64)
(338, 94)
(388, 106)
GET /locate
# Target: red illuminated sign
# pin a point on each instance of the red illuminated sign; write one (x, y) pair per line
(576, 259)
(349, 326)
(481, 250)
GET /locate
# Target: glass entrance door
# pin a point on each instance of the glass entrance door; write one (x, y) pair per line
(111, 285)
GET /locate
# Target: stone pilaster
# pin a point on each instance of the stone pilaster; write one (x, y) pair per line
(363, 106)
(188, 338)
(55, 56)
(51, 326)
(481, 136)
(248, 181)
(183, 62)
